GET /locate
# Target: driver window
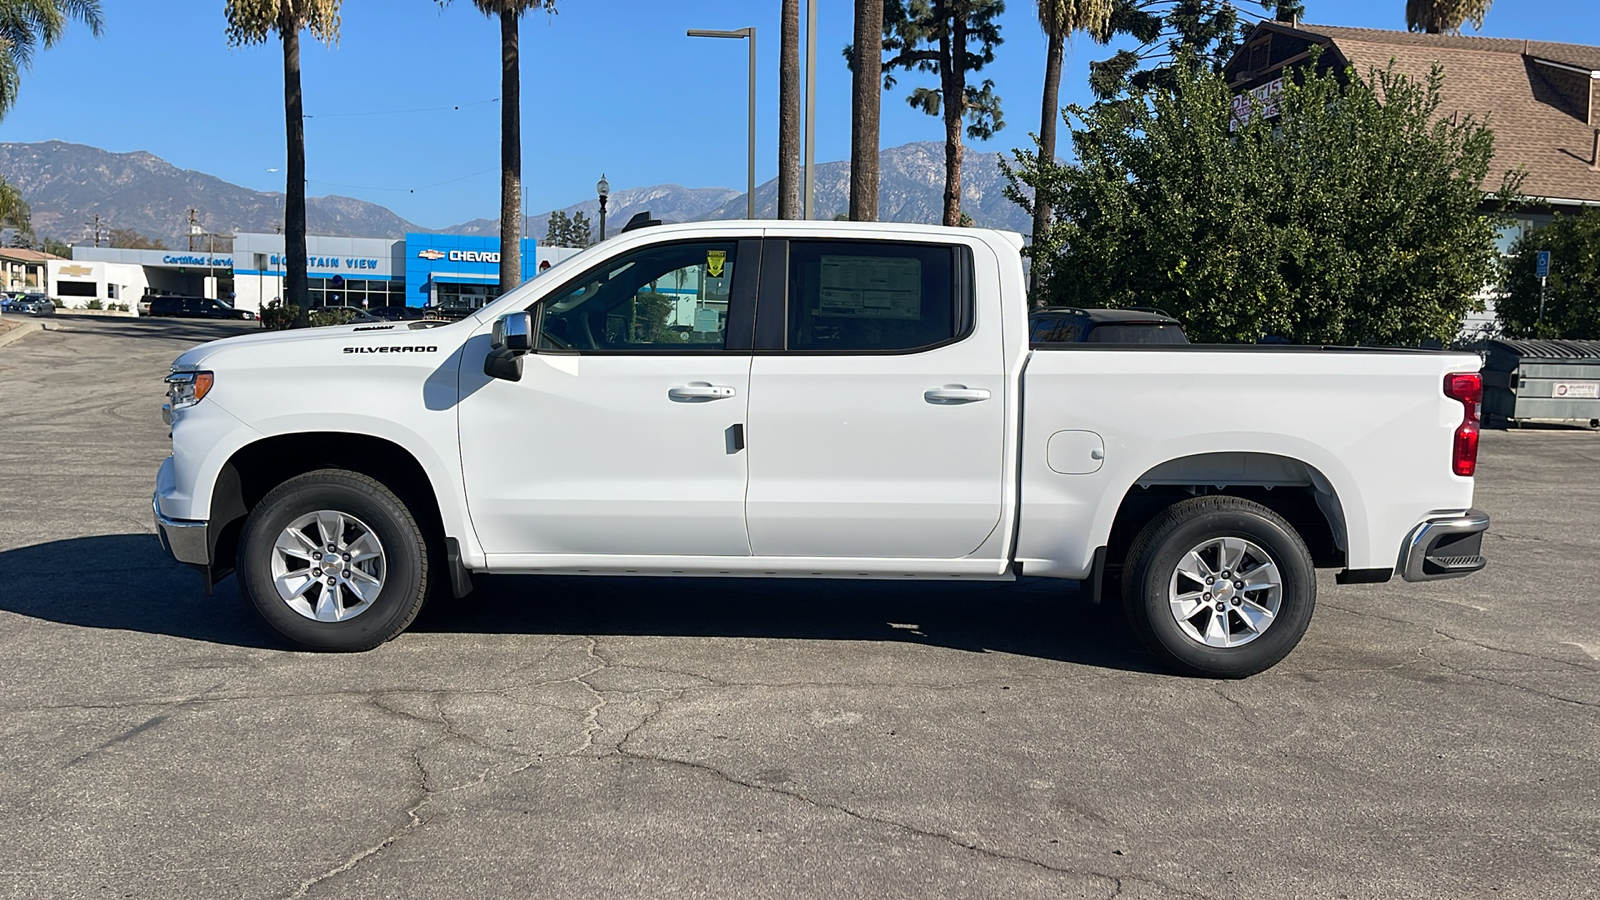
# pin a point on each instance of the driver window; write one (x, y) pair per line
(660, 299)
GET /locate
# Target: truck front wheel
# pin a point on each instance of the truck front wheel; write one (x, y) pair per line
(333, 560)
(1219, 587)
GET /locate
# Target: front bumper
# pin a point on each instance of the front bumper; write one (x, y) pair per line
(1445, 547)
(187, 540)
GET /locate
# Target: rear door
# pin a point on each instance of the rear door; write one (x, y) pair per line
(877, 403)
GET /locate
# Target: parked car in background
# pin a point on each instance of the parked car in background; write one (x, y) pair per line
(341, 315)
(396, 313)
(28, 304)
(144, 304)
(446, 313)
(196, 308)
(1072, 325)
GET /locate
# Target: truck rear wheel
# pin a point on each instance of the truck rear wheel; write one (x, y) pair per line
(333, 560)
(1219, 587)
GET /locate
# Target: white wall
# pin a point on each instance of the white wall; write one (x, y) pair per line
(113, 282)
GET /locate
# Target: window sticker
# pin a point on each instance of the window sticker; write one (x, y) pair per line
(706, 320)
(876, 287)
(714, 262)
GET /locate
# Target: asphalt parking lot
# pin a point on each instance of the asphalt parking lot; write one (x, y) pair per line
(561, 737)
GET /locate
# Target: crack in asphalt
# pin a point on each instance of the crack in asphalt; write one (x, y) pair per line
(1117, 882)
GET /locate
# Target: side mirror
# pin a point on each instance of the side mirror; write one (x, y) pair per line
(511, 339)
(513, 331)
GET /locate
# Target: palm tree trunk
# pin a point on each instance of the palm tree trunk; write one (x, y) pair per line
(510, 153)
(1049, 114)
(296, 287)
(789, 112)
(952, 84)
(866, 93)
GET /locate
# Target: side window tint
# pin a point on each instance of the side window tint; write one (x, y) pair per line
(662, 299)
(871, 296)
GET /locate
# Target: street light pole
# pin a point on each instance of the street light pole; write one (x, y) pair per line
(750, 161)
(604, 190)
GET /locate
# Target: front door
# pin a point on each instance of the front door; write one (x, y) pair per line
(621, 436)
(877, 404)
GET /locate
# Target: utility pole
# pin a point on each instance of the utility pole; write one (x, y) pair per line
(96, 226)
(194, 227)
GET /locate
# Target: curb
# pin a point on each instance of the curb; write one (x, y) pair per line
(20, 330)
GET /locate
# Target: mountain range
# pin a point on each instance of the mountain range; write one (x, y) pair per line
(66, 185)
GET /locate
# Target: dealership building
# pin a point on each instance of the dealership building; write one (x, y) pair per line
(420, 270)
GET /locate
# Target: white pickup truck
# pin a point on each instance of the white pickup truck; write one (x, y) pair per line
(812, 400)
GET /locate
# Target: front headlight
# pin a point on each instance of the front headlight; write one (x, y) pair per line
(188, 388)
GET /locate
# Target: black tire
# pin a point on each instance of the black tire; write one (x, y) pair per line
(1149, 574)
(406, 559)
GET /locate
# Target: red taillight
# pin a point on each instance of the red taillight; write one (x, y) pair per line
(1468, 388)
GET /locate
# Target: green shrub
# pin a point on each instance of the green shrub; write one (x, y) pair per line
(56, 302)
(278, 315)
(94, 304)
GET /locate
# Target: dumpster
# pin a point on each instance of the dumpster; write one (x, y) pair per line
(1542, 381)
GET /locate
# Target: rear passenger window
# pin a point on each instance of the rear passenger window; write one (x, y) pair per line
(867, 297)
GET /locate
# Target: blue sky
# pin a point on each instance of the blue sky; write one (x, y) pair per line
(609, 86)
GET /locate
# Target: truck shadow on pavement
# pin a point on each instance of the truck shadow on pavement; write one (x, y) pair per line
(126, 582)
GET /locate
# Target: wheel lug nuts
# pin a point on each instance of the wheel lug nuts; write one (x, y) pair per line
(1238, 585)
(316, 573)
(1208, 598)
(331, 579)
(1236, 601)
(1221, 606)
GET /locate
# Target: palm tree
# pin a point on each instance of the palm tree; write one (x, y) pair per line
(13, 209)
(789, 112)
(253, 22)
(29, 24)
(866, 94)
(1059, 18)
(26, 25)
(509, 12)
(1437, 16)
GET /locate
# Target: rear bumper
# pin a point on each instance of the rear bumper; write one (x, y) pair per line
(187, 540)
(1445, 547)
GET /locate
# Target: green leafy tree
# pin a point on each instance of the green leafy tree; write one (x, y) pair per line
(1352, 218)
(56, 248)
(565, 231)
(1439, 16)
(509, 14)
(951, 39)
(555, 232)
(254, 22)
(1199, 33)
(133, 240)
(580, 235)
(1572, 292)
(26, 26)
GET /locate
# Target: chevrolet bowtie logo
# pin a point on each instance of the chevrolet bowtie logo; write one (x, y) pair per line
(76, 271)
(430, 255)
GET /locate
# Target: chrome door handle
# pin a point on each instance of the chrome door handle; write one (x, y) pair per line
(700, 392)
(955, 393)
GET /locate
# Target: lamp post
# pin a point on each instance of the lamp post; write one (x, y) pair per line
(604, 190)
(750, 165)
